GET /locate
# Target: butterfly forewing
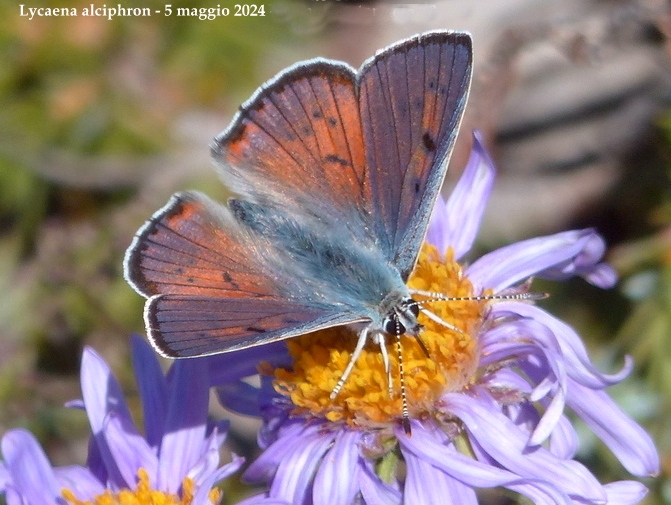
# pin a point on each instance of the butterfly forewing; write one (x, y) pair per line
(376, 142)
(300, 135)
(412, 99)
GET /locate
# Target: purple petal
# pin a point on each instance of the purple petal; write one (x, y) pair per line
(429, 445)
(437, 232)
(100, 389)
(426, 484)
(290, 462)
(457, 222)
(185, 426)
(626, 439)
(206, 485)
(4, 476)
(80, 481)
(586, 265)
(626, 492)
(14, 497)
(295, 472)
(263, 469)
(95, 462)
(602, 275)
(548, 422)
(152, 388)
(337, 480)
(506, 444)
(555, 378)
(208, 462)
(129, 449)
(564, 441)
(546, 368)
(231, 367)
(228, 469)
(523, 413)
(374, 490)
(574, 353)
(262, 499)
(75, 404)
(221, 428)
(207, 472)
(506, 379)
(239, 397)
(102, 395)
(541, 492)
(540, 360)
(29, 469)
(516, 263)
(460, 492)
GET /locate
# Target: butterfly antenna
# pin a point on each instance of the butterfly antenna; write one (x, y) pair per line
(404, 399)
(439, 297)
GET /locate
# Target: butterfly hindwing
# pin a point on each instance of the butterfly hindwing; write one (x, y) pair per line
(208, 287)
(185, 326)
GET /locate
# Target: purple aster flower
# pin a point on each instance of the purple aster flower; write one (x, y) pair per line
(488, 404)
(176, 461)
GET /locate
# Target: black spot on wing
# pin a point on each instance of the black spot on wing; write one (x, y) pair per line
(229, 280)
(428, 142)
(334, 158)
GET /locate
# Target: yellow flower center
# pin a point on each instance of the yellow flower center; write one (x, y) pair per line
(143, 494)
(321, 357)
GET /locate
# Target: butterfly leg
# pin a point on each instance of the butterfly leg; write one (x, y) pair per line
(363, 336)
(379, 340)
(438, 320)
(422, 345)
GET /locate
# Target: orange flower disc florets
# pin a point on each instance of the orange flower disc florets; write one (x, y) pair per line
(321, 357)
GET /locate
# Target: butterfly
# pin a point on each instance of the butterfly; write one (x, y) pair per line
(335, 173)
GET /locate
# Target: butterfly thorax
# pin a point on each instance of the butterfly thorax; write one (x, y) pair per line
(325, 262)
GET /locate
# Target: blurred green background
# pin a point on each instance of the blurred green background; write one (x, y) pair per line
(101, 120)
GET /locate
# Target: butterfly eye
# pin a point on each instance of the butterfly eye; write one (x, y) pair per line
(413, 307)
(393, 326)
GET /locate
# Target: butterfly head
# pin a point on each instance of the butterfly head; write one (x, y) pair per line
(402, 318)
